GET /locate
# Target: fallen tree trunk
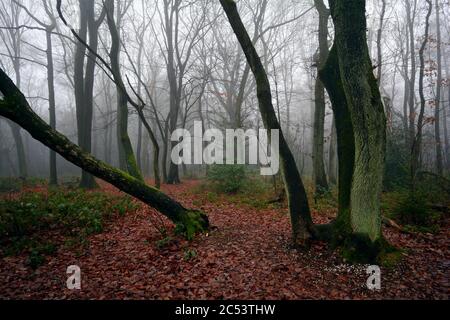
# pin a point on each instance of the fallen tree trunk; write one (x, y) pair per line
(15, 107)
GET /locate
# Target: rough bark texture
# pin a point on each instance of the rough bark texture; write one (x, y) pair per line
(367, 114)
(302, 226)
(331, 77)
(15, 107)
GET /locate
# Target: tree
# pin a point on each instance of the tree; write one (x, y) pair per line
(127, 160)
(320, 177)
(10, 15)
(416, 149)
(348, 76)
(302, 225)
(15, 107)
(84, 80)
(437, 107)
(48, 27)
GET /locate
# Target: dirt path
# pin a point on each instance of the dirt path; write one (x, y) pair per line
(247, 257)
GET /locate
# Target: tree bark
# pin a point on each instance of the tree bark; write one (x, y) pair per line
(361, 134)
(15, 107)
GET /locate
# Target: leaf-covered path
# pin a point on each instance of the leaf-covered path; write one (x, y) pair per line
(246, 256)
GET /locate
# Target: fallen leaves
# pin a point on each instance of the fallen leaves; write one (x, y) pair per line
(248, 256)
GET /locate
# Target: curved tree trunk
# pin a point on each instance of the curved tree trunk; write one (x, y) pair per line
(15, 107)
(331, 77)
(302, 225)
(126, 154)
(367, 115)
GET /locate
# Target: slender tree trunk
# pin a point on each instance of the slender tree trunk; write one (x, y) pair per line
(127, 159)
(52, 104)
(437, 110)
(332, 170)
(416, 150)
(302, 226)
(15, 130)
(412, 82)
(320, 178)
(84, 84)
(15, 107)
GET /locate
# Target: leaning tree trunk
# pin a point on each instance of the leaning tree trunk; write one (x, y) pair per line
(127, 159)
(15, 107)
(302, 225)
(367, 117)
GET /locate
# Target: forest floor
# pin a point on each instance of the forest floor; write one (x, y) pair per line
(246, 256)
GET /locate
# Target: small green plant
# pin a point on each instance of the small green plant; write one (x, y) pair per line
(227, 178)
(75, 213)
(164, 242)
(414, 210)
(189, 254)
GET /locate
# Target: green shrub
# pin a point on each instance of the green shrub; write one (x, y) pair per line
(76, 213)
(10, 185)
(227, 178)
(414, 209)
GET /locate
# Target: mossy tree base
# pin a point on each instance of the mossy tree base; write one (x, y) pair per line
(358, 248)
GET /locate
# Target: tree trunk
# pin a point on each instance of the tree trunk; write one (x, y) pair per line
(437, 109)
(416, 149)
(320, 178)
(302, 226)
(52, 104)
(351, 83)
(84, 84)
(412, 82)
(15, 107)
(332, 162)
(331, 77)
(126, 154)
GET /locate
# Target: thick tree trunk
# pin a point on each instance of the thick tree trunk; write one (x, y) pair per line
(367, 113)
(302, 226)
(15, 107)
(331, 77)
